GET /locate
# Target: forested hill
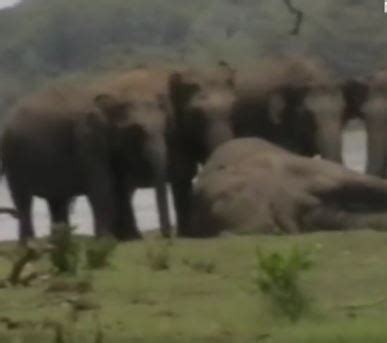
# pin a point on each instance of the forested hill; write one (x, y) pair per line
(45, 39)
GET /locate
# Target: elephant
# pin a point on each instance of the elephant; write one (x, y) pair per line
(371, 106)
(295, 102)
(250, 185)
(355, 91)
(102, 140)
(202, 101)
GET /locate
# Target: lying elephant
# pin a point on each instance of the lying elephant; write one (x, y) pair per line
(252, 185)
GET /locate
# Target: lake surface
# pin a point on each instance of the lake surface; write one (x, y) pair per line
(144, 203)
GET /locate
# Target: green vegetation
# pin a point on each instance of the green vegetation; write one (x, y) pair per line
(65, 252)
(99, 252)
(278, 278)
(200, 265)
(132, 302)
(42, 40)
(158, 255)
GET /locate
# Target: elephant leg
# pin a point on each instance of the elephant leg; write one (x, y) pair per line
(376, 148)
(285, 216)
(23, 203)
(126, 225)
(182, 173)
(101, 196)
(182, 192)
(182, 170)
(59, 210)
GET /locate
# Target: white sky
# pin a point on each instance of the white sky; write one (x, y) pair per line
(6, 3)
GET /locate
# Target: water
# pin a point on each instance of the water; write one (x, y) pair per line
(144, 203)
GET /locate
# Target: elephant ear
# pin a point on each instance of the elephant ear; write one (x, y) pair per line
(181, 91)
(114, 110)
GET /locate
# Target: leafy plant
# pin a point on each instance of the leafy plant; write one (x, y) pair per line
(65, 252)
(98, 252)
(278, 278)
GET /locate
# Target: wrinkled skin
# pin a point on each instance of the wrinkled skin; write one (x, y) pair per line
(103, 141)
(293, 102)
(251, 185)
(203, 103)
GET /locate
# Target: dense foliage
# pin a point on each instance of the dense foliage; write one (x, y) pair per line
(44, 39)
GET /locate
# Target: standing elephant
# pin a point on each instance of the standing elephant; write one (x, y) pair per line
(102, 141)
(203, 103)
(371, 106)
(293, 102)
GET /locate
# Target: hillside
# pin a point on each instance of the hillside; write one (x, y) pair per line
(42, 40)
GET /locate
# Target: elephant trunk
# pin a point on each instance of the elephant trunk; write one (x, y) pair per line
(156, 151)
(358, 201)
(329, 141)
(219, 132)
(376, 147)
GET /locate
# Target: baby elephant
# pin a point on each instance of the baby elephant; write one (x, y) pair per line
(251, 185)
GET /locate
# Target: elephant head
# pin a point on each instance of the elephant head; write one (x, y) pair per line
(203, 103)
(308, 105)
(137, 120)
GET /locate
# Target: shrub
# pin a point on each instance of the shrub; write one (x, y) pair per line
(98, 252)
(65, 252)
(278, 278)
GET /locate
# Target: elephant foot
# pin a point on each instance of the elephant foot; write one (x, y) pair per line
(24, 240)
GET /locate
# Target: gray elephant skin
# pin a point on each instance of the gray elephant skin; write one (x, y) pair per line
(149, 126)
(294, 102)
(103, 141)
(139, 129)
(251, 185)
(368, 101)
(203, 103)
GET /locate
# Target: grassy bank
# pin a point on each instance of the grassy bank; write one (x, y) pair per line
(203, 291)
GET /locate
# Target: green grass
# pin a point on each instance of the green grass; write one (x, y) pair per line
(130, 301)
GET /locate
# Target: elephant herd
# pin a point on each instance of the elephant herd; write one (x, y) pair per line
(148, 127)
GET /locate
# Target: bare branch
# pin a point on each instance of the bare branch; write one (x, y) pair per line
(299, 16)
(29, 255)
